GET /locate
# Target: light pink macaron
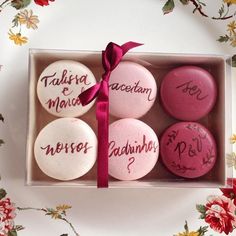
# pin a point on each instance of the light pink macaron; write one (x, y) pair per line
(133, 149)
(188, 93)
(188, 149)
(132, 90)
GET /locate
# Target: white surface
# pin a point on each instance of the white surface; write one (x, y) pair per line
(77, 24)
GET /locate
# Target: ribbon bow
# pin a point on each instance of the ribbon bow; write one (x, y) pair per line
(111, 57)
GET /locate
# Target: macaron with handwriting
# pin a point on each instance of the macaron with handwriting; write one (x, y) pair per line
(133, 149)
(66, 149)
(132, 90)
(188, 93)
(188, 149)
(60, 85)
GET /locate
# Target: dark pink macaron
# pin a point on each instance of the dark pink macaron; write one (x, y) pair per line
(188, 149)
(188, 93)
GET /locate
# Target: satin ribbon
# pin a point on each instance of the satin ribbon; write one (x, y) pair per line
(111, 57)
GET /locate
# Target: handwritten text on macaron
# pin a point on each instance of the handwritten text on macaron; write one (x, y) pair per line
(67, 80)
(59, 147)
(192, 89)
(129, 149)
(135, 88)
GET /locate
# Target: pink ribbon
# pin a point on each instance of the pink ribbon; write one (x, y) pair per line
(111, 57)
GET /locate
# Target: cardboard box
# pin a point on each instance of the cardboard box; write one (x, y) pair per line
(218, 121)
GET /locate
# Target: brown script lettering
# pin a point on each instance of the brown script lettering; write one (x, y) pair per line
(66, 148)
(129, 148)
(192, 90)
(59, 104)
(66, 78)
(136, 88)
(192, 149)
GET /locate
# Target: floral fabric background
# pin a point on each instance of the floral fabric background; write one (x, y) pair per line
(74, 24)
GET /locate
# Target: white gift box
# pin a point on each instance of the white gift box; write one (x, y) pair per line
(218, 121)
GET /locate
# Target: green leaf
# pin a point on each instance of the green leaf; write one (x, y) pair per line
(168, 7)
(234, 61)
(20, 4)
(15, 21)
(18, 227)
(1, 142)
(221, 10)
(186, 227)
(202, 216)
(184, 2)
(223, 38)
(1, 118)
(3, 193)
(201, 208)
(12, 233)
(202, 230)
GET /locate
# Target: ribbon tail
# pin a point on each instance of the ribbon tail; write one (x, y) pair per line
(102, 115)
(102, 163)
(90, 94)
(129, 45)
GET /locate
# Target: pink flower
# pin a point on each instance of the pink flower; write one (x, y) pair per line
(220, 214)
(43, 2)
(7, 214)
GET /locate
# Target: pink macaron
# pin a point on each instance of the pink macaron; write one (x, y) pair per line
(188, 93)
(188, 149)
(132, 90)
(133, 149)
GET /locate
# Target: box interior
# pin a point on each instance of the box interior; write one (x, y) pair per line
(158, 64)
